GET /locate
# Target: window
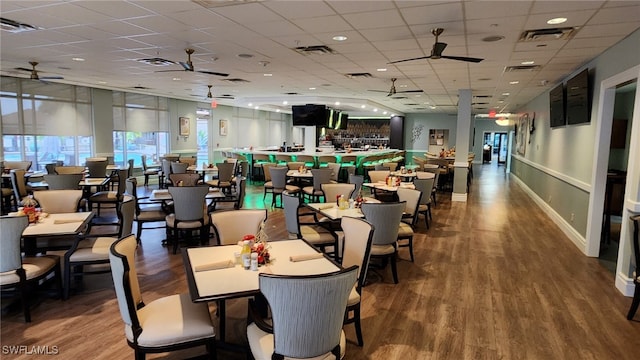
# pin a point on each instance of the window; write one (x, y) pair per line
(141, 127)
(42, 122)
(202, 129)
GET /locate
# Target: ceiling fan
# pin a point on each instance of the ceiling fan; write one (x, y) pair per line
(34, 72)
(392, 91)
(224, 96)
(188, 66)
(438, 48)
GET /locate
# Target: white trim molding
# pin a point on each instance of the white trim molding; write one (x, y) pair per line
(625, 284)
(460, 197)
(568, 179)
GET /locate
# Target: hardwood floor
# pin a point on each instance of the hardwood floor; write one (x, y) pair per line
(494, 278)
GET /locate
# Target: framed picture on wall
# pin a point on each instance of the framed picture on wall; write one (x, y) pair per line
(185, 126)
(521, 134)
(224, 127)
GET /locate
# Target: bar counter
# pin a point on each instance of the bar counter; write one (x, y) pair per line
(360, 155)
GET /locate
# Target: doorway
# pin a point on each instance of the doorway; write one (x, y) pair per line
(497, 145)
(631, 203)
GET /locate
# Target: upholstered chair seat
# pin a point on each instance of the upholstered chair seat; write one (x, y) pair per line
(316, 234)
(405, 230)
(34, 267)
(265, 339)
(171, 222)
(381, 250)
(354, 296)
(172, 320)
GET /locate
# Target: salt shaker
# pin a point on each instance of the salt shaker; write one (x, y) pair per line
(254, 261)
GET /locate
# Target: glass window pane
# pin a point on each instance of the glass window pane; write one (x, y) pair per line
(85, 144)
(12, 147)
(10, 115)
(53, 148)
(118, 146)
(203, 140)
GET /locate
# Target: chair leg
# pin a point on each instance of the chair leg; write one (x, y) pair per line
(635, 303)
(67, 279)
(146, 180)
(24, 298)
(356, 316)
(394, 270)
(58, 280)
(139, 354)
(411, 248)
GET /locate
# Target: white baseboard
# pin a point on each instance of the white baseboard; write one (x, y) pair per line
(459, 197)
(578, 240)
(625, 284)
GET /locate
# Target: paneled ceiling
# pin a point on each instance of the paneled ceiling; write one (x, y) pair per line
(255, 43)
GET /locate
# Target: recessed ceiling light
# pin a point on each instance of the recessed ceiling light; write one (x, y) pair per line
(432, 107)
(257, 107)
(267, 74)
(339, 38)
(402, 86)
(418, 95)
(277, 110)
(312, 88)
(555, 21)
(500, 101)
(381, 69)
(393, 114)
(529, 62)
(514, 82)
(337, 103)
(285, 102)
(384, 113)
(363, 106)
(249, 104)
(505, 94)
(493, 38)
(176, 79)
(102, 82)
(375, 110)
(77, 59)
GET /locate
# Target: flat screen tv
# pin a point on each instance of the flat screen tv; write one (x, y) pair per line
(578, 99)
(556, 106)
(309, 115)
(342, 121)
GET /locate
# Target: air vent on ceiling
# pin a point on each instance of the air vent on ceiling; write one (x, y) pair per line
(412, 104)
(140, 87)
(547, 34)
(399, 97)
(358, 75)
(420, 108)
(522, 68)
(236, 80)
(482, 96)
(314, 50)
(15, 26)
(156, 61)
(292, 93)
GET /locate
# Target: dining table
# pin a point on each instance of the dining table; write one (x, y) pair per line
(54, 226)
(214, 273)
(333, 212)
(86, 184)
(204, 171)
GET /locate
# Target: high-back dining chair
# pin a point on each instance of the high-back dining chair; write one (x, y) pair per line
(225, 176)
(386, 218)
(148, 171)
(184, 179)
(320, 176)
(145, 212)
(94, 249)
(97, 168)
(169, 323)
(178, 168)
(109, 197)
(69, 170)
(230, 226)
(333, 190)
(311, 231)
(190, 214)
(411, 197)
(62, 181)
(268, 184)
(357, 180)
(356, 250)
(279, 182)
(23, 273)
(58, 201)
(426, 187)
(307, 316)
(335, 171)
(19, 185)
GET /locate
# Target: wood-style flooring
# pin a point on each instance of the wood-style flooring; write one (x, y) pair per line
(494, 278)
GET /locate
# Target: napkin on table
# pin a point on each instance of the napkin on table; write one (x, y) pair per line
(305, 257)
(326, 206)
(66, 221)
(215, 265)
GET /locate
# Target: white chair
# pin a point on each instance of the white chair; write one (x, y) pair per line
(314, 233)
(333, 190)
(411, 198)
(231, 226)
(90, 253)
(169, 323)
(358, 236)
(22, 273)
(385, 217)
(146, 212)
(190, 214)
(307, 316)
(58, 201)
(225, 176)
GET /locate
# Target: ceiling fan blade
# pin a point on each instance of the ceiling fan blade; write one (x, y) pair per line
(169, 70)
(437, 49)
(418, 58)
(409, 91)
(213, 73)
(382, 91)
(188, 66)
(50, 77)
(462, 58)
(23, 69)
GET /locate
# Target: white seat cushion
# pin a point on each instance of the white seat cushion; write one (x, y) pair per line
(310, 191)
(171, 219)
(172, 320)
(354, 297)
(382, 249)
(316, 234)
(405, 230)
(153, 215)
(33, 267)
(261, 344)
(93, 249)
